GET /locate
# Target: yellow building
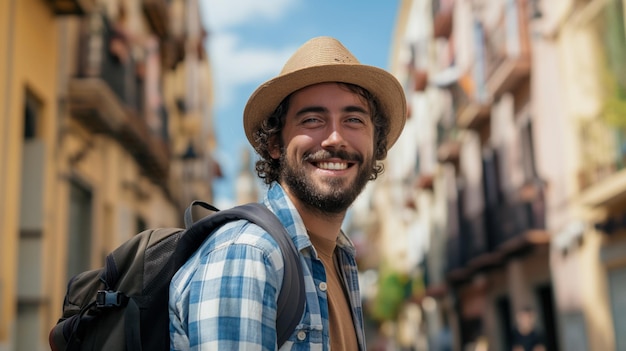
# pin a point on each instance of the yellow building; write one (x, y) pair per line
(88, 142)
(29, 128)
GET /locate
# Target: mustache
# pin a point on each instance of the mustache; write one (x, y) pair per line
(326, 154)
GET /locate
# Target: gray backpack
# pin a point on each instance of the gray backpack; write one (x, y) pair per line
(124, 305)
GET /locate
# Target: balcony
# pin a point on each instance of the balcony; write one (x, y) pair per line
(519, 225)
(503, 230)
(449, 151)
(471, 113)
(507, 50)
(156, 12)
(610, 192)
(602, 176)
(71, 7)
(470, 251)
(448, 143)
(107, 97)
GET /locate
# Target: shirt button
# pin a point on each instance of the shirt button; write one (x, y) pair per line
(301, 335)
(323, 286)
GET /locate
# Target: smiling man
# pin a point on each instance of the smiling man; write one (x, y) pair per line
(320, 128)
(327, 147)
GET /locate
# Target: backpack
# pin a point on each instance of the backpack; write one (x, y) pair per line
(124, 305)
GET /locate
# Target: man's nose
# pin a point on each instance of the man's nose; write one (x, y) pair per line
(334, 139)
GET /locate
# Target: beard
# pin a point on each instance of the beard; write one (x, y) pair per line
(338, 194)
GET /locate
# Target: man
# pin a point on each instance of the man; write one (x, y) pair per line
(319, 127)
(526, 337)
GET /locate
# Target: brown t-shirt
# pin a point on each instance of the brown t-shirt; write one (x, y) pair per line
(342, 332)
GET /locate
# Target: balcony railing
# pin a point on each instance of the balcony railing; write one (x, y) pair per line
(484, 241)
(515, 219)
(107, 96)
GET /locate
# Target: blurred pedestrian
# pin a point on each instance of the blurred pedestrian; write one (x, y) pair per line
(443, 339)
(526, 336)
(320, 129)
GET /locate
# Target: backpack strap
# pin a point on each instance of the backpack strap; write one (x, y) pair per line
(291, 298)
(188, 217)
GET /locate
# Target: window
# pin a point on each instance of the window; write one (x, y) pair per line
(30, 293)
(80, 229)
(528, 150)
(32, 114)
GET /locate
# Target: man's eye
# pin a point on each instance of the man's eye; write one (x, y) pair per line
(355, 120)
(310, 120)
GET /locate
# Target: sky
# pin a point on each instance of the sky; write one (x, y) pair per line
(250, 40)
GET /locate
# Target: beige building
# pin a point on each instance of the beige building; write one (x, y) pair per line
(585, 44)
(510, 169)
(90, 141)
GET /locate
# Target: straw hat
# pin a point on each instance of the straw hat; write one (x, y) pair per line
(325, 59)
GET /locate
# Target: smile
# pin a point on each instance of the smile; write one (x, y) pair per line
(335, 166)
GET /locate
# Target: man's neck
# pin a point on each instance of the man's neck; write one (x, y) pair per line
(323, 224)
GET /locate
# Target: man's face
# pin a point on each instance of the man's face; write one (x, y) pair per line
(328, 142)
(525, 321)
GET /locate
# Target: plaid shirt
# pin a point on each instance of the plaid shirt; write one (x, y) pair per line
(224, 297)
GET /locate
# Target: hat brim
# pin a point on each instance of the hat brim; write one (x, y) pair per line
(384, 86)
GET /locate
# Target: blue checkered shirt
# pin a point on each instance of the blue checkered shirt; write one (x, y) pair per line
(224, 297)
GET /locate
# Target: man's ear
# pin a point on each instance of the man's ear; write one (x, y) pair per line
(274, 147)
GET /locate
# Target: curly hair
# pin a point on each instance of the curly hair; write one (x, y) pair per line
(268, 168)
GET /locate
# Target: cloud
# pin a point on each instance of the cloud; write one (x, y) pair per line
(235, 64)
(224, 14)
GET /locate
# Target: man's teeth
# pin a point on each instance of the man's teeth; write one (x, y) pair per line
(333, 165)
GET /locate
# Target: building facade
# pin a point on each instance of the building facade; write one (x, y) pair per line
(91, 139)
(510, 170)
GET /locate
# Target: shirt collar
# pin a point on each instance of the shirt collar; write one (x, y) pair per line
(277, 201)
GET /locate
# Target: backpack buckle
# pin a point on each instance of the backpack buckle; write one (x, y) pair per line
(110, 298)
